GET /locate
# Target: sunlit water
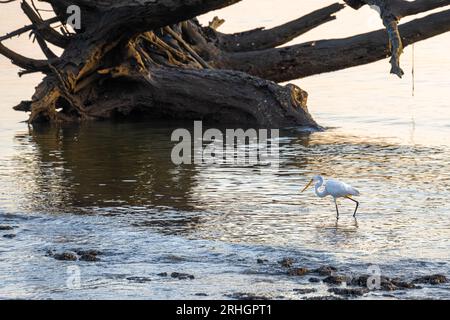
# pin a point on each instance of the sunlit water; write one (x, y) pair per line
(113, 188)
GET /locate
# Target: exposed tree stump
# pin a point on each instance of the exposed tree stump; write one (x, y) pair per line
(152, 58)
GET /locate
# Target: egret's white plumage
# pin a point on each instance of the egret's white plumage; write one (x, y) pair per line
(340, 189)
(334, 188)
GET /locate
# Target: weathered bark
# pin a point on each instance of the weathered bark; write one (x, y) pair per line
(401, 8)
(391, 12)
(303, 60)
(199, 94)
(24, 62)
(261, 39)
(153, 58)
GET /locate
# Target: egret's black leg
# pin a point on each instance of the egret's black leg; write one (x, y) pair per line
(337, 209)
(357, 206)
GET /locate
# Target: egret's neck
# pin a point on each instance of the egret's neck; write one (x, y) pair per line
(323, 193)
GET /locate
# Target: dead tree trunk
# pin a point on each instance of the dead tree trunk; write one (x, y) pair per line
(152, 58)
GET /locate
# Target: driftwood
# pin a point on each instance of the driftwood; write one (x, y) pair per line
(391, 12)
(152, 58)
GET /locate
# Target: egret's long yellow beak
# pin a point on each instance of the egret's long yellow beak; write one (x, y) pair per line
(307, 186)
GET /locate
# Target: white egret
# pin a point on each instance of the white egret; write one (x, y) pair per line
(334, 188)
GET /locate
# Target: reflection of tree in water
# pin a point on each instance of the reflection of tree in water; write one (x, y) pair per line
(123, 165)
(107, 165)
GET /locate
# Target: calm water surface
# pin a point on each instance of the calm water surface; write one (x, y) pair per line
(113, 188)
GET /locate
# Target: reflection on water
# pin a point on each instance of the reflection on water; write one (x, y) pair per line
(101, 165)
(113, 187)
(125, 170)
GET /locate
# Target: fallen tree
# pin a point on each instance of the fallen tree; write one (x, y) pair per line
(153, 58)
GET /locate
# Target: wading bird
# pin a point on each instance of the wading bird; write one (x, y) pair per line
(336, 189)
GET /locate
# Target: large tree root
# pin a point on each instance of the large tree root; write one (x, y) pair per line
(201, 95)
(152, 58)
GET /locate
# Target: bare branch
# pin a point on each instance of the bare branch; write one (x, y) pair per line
(401, 8)
(299, 61)
(24, 62)
(130, 18)
(44, 30)
(27, 28)
(391, 12)
(260, 39)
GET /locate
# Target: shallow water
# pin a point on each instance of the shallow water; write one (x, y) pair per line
(113, 188)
